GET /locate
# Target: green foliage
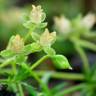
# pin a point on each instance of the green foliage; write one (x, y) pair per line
(31, 48)
(7, 53)
(16, 55)
(50, 51)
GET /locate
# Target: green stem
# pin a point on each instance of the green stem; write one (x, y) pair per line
(20, 90)
(14, 68)
(70, 90)
(39, 62)
(28, 34)
(57, 75)
(61, 75)
(6, 62)
(84, 59)
(86, 44)
(90, 35)
(82, 55)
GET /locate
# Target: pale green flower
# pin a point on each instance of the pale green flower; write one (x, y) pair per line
(62, 24)
(47, 39)
(37, 15)
(16, 44)
(89, 20)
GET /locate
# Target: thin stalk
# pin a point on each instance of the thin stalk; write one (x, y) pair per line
(14, 68)
(57, 75)
(82, 55)
(70, 90)
(61, 75)
(20, 90)
(87, 44)
(28, 34)
(7, 62)
(90, 35)
(84, 59)
(39, 62)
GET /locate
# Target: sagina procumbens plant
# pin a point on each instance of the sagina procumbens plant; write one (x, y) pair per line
(15, 69)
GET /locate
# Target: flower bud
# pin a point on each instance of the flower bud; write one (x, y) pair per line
(61, 62)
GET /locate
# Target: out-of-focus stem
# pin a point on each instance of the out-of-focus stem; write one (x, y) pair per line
(83, 58)
(20, 90)
(82, 54)
(61, 75)
(86, 44)
(58, 75)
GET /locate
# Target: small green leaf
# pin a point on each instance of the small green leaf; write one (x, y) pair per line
(31, 48)
(42, 25)
(29, 25)
(7, 53)
(50, 51)
(35, 36)
(61, 62)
